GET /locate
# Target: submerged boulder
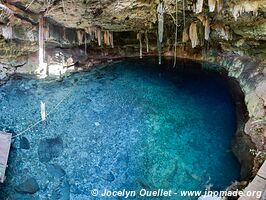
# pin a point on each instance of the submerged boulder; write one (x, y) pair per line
(24, 143)
(55, 170)
(62, 191)
(18, 196)
(50, 148)
(30, 186)
(109, 177)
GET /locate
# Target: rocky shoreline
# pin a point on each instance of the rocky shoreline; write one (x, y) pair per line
(252, 80)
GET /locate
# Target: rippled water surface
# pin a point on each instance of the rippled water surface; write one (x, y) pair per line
(128, 125)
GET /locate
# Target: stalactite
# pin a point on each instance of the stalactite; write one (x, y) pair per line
(99, 37)
(41, 22)
(193, 35)
(80, 35)
(147, 41)
(160, 12)
(139, 37)
(96, 33)
(220, 4)
(159, 46)
(106, 37)
(237, 10)
(91, 32)
(42, 66)
(184, 14)
(211, 4)
(46, 33)
(185, 36)
(207, 29)
(176, 18)
(85, 43)
(87, 30)
(201, 33)
(199, 6)
(194, 7)
(206, 23)
(111, 39)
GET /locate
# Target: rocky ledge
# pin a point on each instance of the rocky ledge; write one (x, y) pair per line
(251, 76)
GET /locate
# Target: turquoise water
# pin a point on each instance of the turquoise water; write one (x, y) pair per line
(129, 125)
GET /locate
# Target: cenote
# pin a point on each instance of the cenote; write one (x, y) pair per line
(128, 125)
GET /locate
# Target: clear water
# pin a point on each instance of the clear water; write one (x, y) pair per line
(128, 125)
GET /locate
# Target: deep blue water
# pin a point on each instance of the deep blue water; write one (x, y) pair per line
(128, 125)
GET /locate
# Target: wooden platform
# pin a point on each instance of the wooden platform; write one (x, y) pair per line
(5, 143)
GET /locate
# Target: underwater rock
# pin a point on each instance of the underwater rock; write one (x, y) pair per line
(50, 148)
(30, 186)
(110, 177)
(62, 192)
(55, 170)
(18, 196)
(24, 143)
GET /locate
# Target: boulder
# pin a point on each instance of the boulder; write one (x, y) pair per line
(30, 186)
(110, 177)
(55, 170)
(24, 143)
(62, 192)
(50, 148)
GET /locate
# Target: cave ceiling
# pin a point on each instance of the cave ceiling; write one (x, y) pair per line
(126, 15)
